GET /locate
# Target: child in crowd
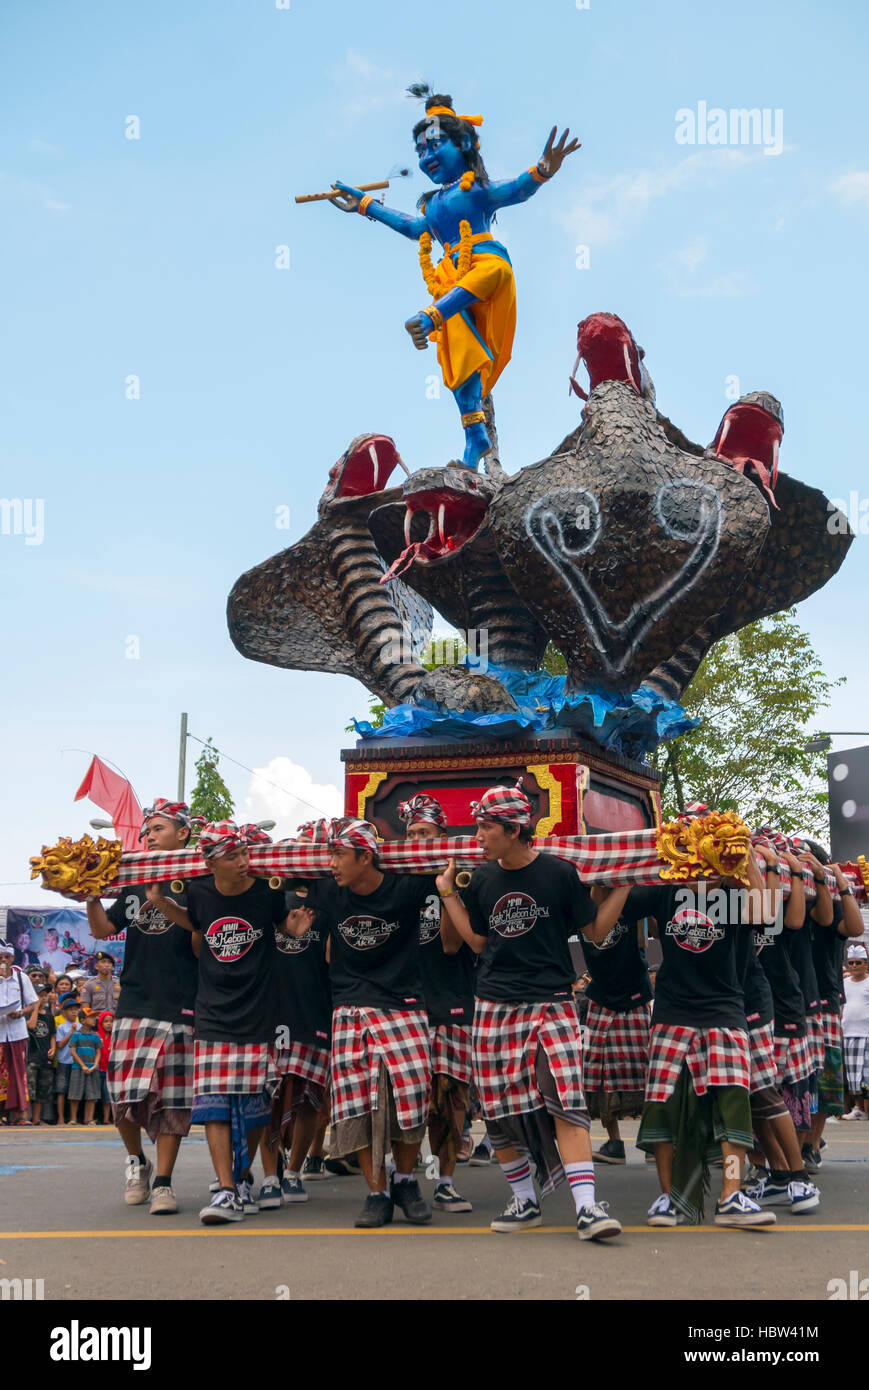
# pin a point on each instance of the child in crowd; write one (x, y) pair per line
(68, 1015)
(40, 1056)
(84, 1080)
(104, 1027)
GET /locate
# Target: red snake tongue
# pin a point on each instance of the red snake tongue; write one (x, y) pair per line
(404, 561)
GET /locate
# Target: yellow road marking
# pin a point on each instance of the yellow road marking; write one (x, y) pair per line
(402, 1230)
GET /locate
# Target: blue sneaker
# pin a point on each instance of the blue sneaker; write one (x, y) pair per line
(740, 1210)
(269, 1195)
(293, 1189)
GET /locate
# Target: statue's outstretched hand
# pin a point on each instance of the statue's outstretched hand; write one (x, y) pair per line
(554, 155)
(347, 199)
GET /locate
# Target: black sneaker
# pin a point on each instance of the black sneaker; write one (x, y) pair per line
(448, 1199)
(481, 1157)
(811, 1158)
(343, 1167)
(225, 1206)
(595, 1223)
(408, 1197)
(613, 1151)
(518, 1215)
(313, 1167)
(377, 1211)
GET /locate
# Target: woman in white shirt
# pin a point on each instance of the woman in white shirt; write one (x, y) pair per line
(17, 995)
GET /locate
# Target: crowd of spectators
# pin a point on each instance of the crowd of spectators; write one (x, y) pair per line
(55, 1033)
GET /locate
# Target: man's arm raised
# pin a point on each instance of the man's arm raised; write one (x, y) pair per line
(457, 913)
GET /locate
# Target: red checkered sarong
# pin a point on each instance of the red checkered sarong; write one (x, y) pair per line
(305, 1060)
(831, 1023)
(451, 1051)
(815, 1037)
(761, 1044)
(362, 1040)
(151, 1057)
(792, 1059)
(616, 1054)
(714, 1056)
(507, 1038)
(232, 1069)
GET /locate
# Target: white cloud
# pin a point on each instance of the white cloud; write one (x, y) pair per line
(681, 268)
(283, 791)
(852, 188)
(43, 147)
(365, 87)
(610, 208)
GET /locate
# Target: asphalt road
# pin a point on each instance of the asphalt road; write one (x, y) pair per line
(63, 1219)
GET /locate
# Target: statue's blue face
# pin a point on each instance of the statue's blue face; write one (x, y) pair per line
(439, 159)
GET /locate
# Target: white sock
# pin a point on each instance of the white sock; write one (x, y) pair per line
(402, 1177)
(581, 1179)
(518, 1175)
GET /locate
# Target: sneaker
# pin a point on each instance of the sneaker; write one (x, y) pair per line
(481, 1157)
(137, 1180)
(595, 1223)
(163, 1201)
(269, 1195)
(663, 1213)
(753, 1175)
(804, 1196)
(314, 1167)
(377, 1211)
(740, 1210)
(650, 1158)
(245, 1192)
(215, 1186)
(855, 1114)
(466, 1148)
(769, 1193)
(448, 1199)
(225, 1205)
(293, 1189)
(408, 1197)
(811, 1159)
(613, 1151)
(518, 1215)
(342, 1167)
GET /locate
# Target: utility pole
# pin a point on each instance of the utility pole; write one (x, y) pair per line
(182, 758)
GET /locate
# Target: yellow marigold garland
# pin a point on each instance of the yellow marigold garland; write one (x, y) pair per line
(465, 245)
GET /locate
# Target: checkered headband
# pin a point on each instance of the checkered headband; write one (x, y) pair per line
(774, 838)
(694, 808)
(317, 831)
(422, 808)
(509, 805)
(347, 833)
(224, 836)
(173, 810)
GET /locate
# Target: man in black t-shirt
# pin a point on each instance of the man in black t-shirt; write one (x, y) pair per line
(381, 1060)
(831, 927)
(233, 916)
(447, 965)
(616, 1054)
(699, 1059)
(150, 1072)
(517, 914)
(303, 1042)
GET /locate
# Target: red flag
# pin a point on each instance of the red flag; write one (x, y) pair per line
(113, 794)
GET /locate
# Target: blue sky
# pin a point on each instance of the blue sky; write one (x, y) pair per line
(155, 258)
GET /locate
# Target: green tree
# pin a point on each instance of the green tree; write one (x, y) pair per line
(756, 693)
(210, 797)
